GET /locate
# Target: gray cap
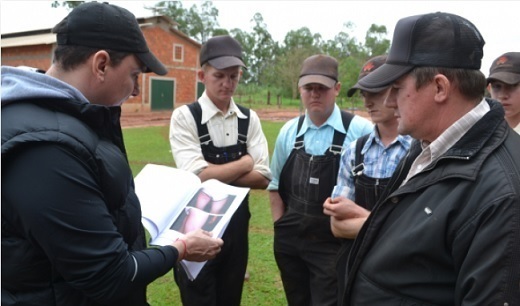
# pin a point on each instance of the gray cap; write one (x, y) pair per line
(321, 69)
(222, 52)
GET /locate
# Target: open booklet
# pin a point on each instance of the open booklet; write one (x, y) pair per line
(175, 202)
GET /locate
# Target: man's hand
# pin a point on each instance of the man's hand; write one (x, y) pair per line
(343, 208)
(346, 217)
(199, 246)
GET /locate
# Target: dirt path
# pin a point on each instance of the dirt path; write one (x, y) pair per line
(162, 118)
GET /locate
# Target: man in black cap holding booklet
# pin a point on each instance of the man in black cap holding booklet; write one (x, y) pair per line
(446, 231)
(71, 221)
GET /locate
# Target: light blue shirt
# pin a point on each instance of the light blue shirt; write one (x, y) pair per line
(317, 139)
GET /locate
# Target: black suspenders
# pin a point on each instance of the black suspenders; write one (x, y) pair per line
(243, 124)
(358, 166)
(339, 138)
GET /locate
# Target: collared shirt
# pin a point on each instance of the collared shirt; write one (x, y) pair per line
(379, 161)
(447, 139)
(517, 128)
(317, 139)
(223, 129)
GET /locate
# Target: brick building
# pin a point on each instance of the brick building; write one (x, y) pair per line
(178, 52)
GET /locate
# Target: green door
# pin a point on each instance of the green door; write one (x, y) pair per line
(200, 89)
(162, 94)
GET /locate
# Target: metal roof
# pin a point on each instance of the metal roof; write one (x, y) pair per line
(46, 37)
(31, 40)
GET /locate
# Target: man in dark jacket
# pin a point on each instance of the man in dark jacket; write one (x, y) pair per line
(447, 229)
(71, 221)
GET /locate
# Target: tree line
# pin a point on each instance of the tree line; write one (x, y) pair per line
(272, 64)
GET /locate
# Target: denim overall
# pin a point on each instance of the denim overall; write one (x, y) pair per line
(368, 189)
(225, 273)
(305, 248)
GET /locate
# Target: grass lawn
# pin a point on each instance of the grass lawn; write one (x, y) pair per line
(151, 145)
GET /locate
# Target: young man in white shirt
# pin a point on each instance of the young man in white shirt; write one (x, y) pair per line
(216, 138)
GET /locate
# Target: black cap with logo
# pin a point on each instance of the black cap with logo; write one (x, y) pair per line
(371, 65)
(506, 69)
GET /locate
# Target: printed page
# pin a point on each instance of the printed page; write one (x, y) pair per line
(211, 208)
(163, 192)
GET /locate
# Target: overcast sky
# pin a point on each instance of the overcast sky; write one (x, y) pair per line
(496, 20)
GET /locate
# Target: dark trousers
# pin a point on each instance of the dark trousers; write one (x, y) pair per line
(221, 280)
(306, 255)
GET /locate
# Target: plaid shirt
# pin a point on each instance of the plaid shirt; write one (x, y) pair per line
(379, 162)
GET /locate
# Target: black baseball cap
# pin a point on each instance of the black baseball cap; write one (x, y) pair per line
(506, 69)
(221, 52)
(106, 26)
(321, 69)
(429, 40)
(371, 65)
